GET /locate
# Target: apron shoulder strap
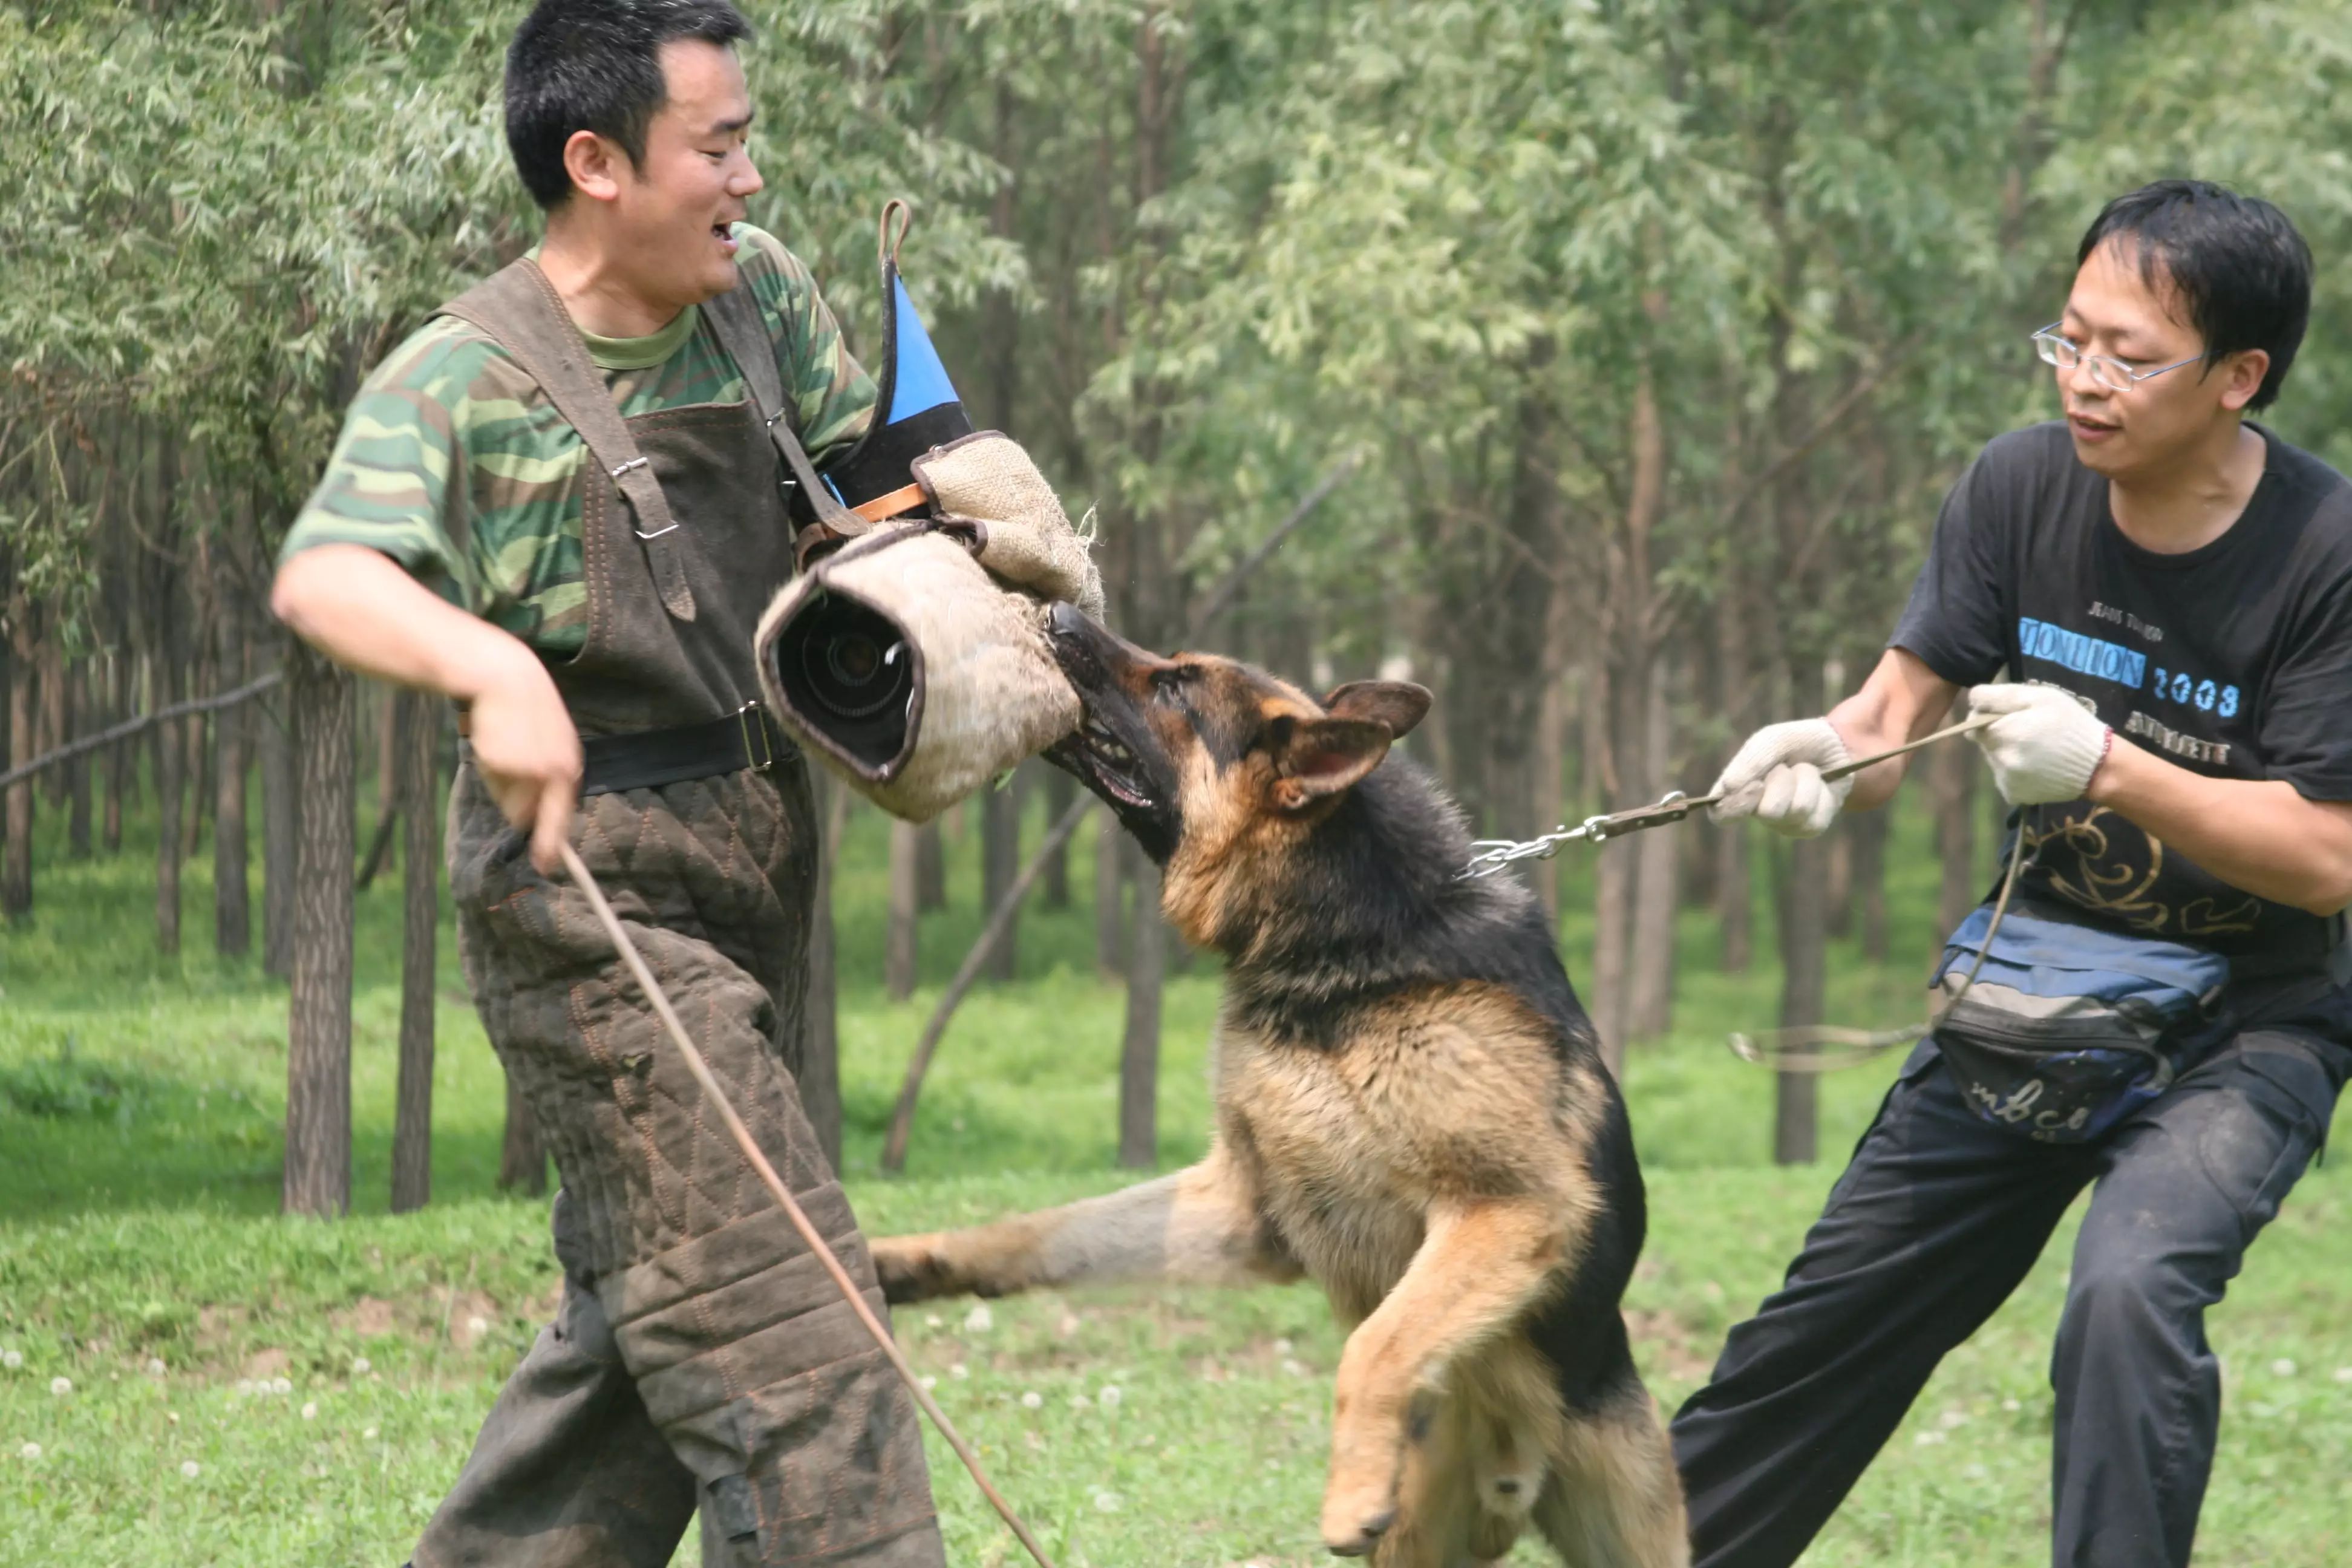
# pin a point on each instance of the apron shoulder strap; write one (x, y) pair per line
(735, 316)
(521, 312)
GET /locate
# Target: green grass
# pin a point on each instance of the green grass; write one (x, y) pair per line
(140, 1110)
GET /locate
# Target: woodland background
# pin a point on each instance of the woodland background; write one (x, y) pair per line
(1618, 354)
(1641, 338)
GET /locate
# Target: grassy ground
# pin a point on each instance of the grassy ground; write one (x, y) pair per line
(141, 1260)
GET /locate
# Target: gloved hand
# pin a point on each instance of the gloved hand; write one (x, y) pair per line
(1030, 544)
(2046, 745)
(1776, 778)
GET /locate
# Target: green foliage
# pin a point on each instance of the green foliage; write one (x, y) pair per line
(63, 1087)
(148, 1234)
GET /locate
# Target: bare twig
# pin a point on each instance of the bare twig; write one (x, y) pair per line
(1221, 598)
(130, 727)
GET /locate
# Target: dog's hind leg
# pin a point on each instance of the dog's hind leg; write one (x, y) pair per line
(1478, 1268)
(1201, 1224)
(1615, 1501)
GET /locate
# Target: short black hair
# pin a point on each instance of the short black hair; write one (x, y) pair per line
(2240, 270)
(596, 64)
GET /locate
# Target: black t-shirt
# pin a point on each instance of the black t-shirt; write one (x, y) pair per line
(2233, 660)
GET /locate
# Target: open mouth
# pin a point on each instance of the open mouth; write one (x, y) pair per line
(1104, 763)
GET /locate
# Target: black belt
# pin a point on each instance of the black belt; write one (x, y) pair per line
(746, 737)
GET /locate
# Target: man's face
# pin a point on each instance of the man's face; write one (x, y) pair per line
(672, 213)
(2116, 311)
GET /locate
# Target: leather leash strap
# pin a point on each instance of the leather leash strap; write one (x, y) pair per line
(736, 317)
(784, 1200)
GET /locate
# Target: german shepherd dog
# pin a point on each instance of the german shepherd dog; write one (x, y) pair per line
(1411, 1109)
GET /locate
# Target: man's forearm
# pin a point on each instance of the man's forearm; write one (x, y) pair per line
(2258, 834)
(1901, 700)
(358, 607)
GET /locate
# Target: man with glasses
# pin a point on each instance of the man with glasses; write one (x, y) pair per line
(2170, 586)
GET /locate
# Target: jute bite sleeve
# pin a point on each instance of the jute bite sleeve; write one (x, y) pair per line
(1030, 542)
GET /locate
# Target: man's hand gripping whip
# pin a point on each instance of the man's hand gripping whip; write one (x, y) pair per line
(783, 1195)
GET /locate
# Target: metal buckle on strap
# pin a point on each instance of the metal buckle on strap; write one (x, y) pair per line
(657, 533)
(761, 755)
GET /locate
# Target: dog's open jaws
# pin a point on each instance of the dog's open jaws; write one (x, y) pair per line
(1411, 1109)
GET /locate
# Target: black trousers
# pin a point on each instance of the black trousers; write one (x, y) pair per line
(1934, 1223)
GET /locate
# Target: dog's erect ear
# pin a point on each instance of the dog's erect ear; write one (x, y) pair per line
(1314, 758)
(1399, 704)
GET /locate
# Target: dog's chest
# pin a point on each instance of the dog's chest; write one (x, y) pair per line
(1340, 1146)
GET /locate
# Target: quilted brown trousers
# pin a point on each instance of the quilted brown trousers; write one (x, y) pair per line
(700, 1357)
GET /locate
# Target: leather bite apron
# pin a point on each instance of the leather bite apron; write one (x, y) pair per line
(693, 1316)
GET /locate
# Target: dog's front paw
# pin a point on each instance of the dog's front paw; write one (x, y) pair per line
(910, 1269)
(1357, 1513)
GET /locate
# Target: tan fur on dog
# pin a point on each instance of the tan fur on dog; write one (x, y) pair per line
(1431, 1159)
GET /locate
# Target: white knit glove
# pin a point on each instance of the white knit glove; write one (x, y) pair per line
(2046, 745)
(1776, 778)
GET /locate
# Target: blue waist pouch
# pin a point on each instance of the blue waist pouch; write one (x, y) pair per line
(2068, 1028)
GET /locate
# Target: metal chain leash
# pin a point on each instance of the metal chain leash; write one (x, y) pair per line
(1808, 1048)
(1494, 854)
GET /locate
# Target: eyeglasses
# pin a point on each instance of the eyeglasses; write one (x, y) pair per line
(2112, 374)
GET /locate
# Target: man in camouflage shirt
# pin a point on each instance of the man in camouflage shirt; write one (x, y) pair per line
(561, 504)
(449, 397)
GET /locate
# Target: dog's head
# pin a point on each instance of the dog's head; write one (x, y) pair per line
(1196, 753)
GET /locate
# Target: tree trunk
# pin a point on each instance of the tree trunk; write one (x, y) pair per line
(119, 758)
(54, 727)
(1110, 923)
(1868, 830)
(1657, 891)
(1804, 963)
(1956, 837)
(281, 825)
(1837, 879)
(522, 1158)
(1549, 765)
(820, 1069)
(17, 856)
(1615, 864)
(232, 894)
(1735, 887)
(319, 701)
(196, 775)
(901, 953)
(930, 868)
(171, 756)
(416, 740)
(82, 718)
(1061, 792)
(1000, 862)
(1139, 1056)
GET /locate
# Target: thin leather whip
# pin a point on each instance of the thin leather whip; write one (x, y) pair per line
(783, 1195)
(1785, 1050)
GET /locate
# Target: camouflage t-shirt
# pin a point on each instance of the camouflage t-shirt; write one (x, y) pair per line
(450, 401)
